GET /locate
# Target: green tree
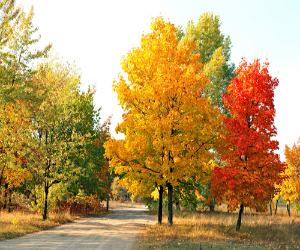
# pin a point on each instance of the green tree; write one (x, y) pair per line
(215, 51)
(54, 136)
(92, 178)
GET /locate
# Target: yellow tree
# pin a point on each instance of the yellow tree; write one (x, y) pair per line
(169, 127)
(290, 187)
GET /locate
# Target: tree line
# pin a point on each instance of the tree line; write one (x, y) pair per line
(196, 127)
(51, 141)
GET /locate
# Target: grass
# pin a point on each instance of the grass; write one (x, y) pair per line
(19, 223)
(217, 231)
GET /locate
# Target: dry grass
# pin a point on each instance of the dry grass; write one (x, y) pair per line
(217, 231)
(17, 223)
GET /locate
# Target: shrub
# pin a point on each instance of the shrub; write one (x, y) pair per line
(81, 205)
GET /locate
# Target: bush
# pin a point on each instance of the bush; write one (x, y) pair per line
(137, 199)
(81, 205)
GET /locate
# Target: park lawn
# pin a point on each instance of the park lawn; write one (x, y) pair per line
(216, 230)
(18, 223)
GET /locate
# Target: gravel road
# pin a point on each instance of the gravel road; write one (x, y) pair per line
(117, 230)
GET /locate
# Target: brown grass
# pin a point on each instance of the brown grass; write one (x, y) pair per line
(217, 231)
(18, 223)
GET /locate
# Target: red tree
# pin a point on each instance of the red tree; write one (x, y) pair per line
(251, 166)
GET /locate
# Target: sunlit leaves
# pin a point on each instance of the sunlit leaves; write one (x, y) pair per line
(215, 50)
(248, 148)
(169, 127)
(290, 187)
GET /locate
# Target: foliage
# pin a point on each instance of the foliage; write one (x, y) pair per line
(290, 187)
(81, 205)
(92, 177)
(214, 49)
(49, 131)
(54, 135)
(248, 149)
(17, 91)
(117, 191)
(169, 127)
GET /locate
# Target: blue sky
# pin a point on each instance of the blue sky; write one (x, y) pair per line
(95, 34)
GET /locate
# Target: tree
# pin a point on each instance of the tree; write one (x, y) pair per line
(290, 187)
(17, 91)
(92, 178)
(252, 167)
(215, 51)
(53, 132)
(169, 127)
(17, 53)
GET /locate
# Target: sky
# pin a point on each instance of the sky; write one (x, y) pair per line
(95, 34)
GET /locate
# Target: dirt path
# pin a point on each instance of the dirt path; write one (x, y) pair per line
(114, 231)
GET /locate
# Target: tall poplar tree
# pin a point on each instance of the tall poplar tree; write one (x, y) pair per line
(215, 51)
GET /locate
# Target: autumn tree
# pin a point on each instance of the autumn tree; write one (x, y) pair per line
(169, 127)
(290, 187)
(17, 95)
(252, 168)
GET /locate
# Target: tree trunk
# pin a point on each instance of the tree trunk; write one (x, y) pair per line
(107, 198)
(276, 207)
(177, 204)
(46, 202)
(212, 207)
(270, 207)
(288, 206)
(239, 221)
(5, 195)
(9, 201)
(170, 204)
(160, 197)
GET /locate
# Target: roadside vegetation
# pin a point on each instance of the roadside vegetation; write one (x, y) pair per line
(216, 230)
(197, 129)
(17, 223)
(51, 139)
